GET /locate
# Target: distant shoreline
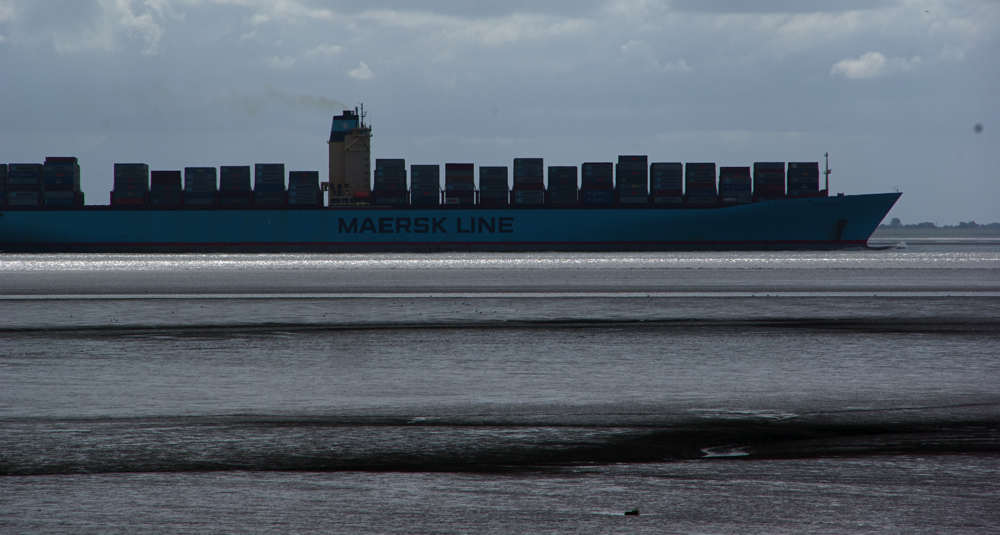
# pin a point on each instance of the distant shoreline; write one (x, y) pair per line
(952, 232)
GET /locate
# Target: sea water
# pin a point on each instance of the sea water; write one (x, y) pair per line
(827, 392)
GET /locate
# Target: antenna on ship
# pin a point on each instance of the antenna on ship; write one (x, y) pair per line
(827, 173)
(362, 114)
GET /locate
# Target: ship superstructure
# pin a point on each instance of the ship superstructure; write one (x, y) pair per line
(350, 149)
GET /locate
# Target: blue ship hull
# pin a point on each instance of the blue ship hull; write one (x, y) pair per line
(794, 223)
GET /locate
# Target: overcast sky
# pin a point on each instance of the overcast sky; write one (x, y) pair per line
(892, 90)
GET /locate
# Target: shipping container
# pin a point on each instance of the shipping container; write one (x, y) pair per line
(304, 198)
(26, 174)
(494, 198)
(699, 170)
(768, 180)
(460, 173)
(61, 173)
(498, 171)
(493, 185)
(383, 200)
(390, 164)
(701, 192)
(269, 199)
(702, 201)
(269, 188)
(165, 178)
(236, 198)
(597, 169)
(563, 179)
(425, 172)
(426, 197)
(631, 171)
(529, 197)
(59, 198)
(633, 160)
(59, 186)
(666, 176)
(269, 178)
(23, 184)
(389, 174)
(128, 201)
(598, 196)
(199, 198)
(425, 184)
(699, 182)
(200, 180)
(562, 197)
(160, 198)
(529, 174)
(460, 197)
(735, 185)
(597, 176)
(235, 178)
(803, 169)
(460, 186)
(303, 178)
(459, 170)
(23, 198)
(390, 185)
(131, 177)
(666, 170)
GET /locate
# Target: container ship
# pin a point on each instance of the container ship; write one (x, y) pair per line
(629, 205)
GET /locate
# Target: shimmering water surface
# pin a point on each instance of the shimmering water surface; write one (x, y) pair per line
(829, 392)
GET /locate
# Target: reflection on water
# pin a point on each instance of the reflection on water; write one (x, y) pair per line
(832, 392)
(966, 257)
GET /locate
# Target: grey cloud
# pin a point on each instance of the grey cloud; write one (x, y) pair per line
(775, 6)
(466, 9)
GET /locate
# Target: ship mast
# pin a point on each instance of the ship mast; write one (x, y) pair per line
(827, 173)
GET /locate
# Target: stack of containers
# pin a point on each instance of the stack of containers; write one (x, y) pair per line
(24, 184)
(803, 179)
(493, 187)
(734, 185)
(425, 185)
(131, 184)
(768, 180)
(529, 181)
(699, 184)
(269, 184)
(200, 186)
(459, 183)
(563, 187)
(632, 174)
(234, 185)
(61, 184)
(3, 185)
(668, 183)
(165, 188)
(390, 181)
(598, 183)
(303, 189)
